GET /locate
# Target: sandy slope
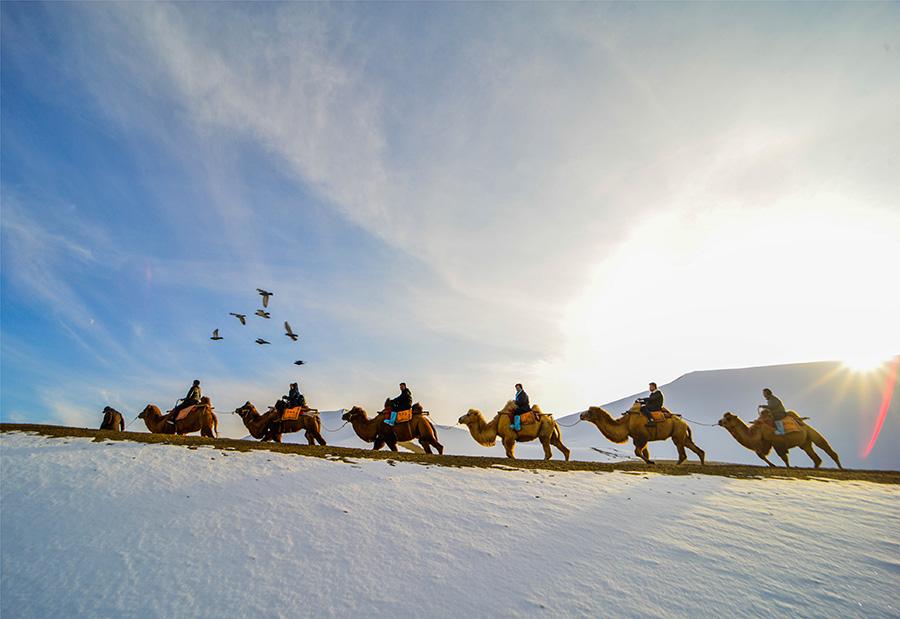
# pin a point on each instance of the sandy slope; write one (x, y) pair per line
(128, 529)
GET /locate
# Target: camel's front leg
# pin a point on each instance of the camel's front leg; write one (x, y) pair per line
(509, 444)
(640, 450)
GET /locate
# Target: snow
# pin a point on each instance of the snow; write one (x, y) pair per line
(131, 529)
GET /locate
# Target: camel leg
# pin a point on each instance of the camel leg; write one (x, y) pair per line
(439, 447)
(425, 445)
(700, 453)
(309, 438)
(556, 440)
(783, 454)
(822, 444)
(765, 459)
(808, 448)
(545, 443)
(641, 451)
(379, 443)
(318, 436)
(682, 456)
(509, 444)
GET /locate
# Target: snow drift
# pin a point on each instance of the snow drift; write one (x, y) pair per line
(129, 529)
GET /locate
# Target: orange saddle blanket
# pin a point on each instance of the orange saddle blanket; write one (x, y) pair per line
(526, 418)
(790, 423)
(292, 414)
(659, 416)
(403, 416)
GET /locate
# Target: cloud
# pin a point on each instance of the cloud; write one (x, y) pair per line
(503, 158)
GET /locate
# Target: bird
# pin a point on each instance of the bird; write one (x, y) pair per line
(241, 317)
(216, 336)
(299, 362)
(261, 341)
(288, 332)
(265, 294)
(263, 313)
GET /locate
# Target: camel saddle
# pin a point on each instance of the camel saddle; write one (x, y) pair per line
(404, 416)
(526, 418)
(660, 416)
(791, 423)
(184, 412)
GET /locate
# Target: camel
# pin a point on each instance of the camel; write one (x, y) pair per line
(375, 431)
(485, 433)
(761, 438)
(258, 425)
(310, 424)
(633, 424)
(112, 420)
(201, 418)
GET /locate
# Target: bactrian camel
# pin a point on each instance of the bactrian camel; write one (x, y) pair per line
(201, 417)
(633, 425)
(760, 437)
(485, 433)
(375, 431)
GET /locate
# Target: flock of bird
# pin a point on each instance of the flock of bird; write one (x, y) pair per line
(262, 313)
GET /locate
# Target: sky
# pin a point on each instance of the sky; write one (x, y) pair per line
(578, 197)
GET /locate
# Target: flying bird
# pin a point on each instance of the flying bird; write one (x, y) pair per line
(265, 294)
(216, 336)
(288, 332)
(241, 317)
(299, 362)
(261, 341)
(263, 313)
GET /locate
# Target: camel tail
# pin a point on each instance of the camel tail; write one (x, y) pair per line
(823, 444)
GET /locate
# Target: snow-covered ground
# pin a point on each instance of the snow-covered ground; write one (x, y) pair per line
(130, 529)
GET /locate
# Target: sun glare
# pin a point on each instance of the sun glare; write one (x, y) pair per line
(865, 362)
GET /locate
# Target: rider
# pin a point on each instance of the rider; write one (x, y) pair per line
(402, 402)
(522, 406)
(193, 397)
(295, 398)
(776, 409)
(653, 402)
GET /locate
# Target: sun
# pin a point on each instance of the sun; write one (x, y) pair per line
(863, 362)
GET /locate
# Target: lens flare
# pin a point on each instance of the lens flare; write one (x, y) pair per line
(886, 396)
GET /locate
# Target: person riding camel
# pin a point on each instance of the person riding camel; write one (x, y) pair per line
(775, 408)
(192, 398)
(652, 403)
(402, 402)
(522, 406)
(295, 398)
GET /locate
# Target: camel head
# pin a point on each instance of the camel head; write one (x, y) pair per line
(148, 410)
(357, 412)
(730, 420)
(244, 410)
(473, 416)
(593, 414)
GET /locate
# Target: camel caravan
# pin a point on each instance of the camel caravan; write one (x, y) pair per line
(403, 421)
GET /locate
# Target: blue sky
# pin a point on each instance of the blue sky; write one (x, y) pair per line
(578, 197)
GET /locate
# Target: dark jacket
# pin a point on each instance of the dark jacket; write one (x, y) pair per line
(522, 403)
(193, 395)
(654, 402)
(402, 402)
(295, 398)
(775, 406)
